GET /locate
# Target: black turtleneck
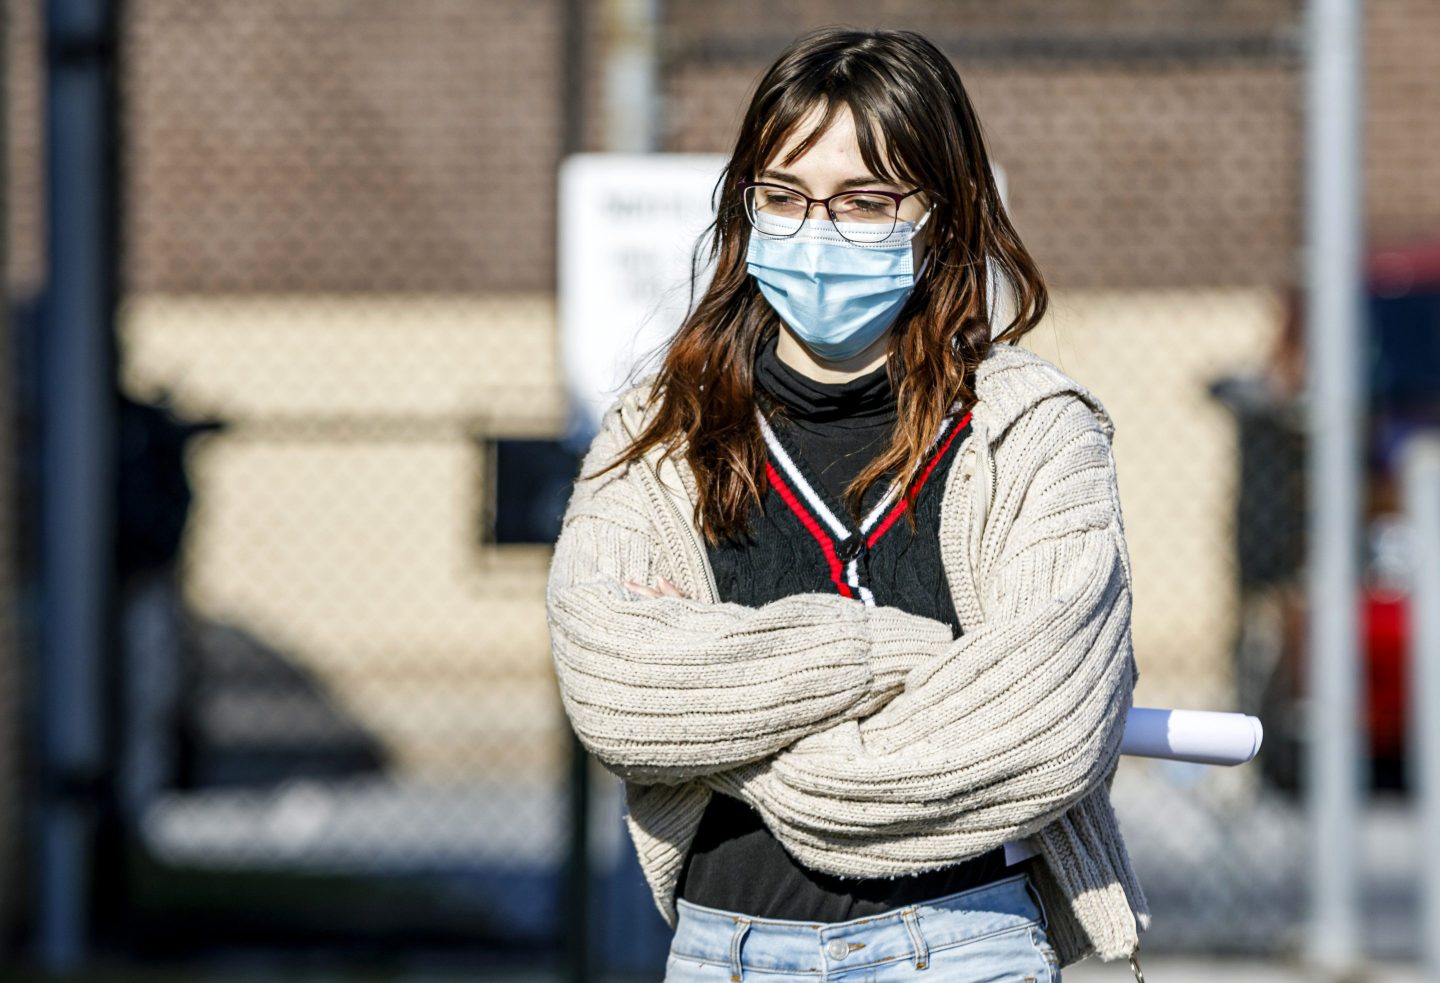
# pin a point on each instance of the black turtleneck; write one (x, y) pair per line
(861, 401)
(829, 432)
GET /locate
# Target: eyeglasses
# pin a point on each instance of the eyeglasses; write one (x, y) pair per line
(859, 216)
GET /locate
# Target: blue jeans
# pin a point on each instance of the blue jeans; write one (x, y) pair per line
(987, 934)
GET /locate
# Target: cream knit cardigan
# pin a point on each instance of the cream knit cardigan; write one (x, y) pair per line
(870, 741)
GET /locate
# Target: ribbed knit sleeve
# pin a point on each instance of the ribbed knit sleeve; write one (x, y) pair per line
(662, 690)
(1006, 727)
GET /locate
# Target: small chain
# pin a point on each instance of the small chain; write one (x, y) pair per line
(1135, 964)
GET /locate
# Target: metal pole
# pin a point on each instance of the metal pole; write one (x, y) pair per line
(632, 76)
(575, 943)
(1334, 192)
(1420, 475)
(76, 471)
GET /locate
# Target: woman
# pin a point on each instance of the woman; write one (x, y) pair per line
(842, 593)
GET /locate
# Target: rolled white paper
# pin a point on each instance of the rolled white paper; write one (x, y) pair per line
(1207, 737)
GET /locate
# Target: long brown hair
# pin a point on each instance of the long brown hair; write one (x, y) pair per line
(914, 123)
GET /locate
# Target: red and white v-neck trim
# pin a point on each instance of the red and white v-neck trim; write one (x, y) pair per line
(840, 544)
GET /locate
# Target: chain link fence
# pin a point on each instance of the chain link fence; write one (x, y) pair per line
(338, 259)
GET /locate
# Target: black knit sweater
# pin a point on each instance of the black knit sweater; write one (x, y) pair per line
(822, 436)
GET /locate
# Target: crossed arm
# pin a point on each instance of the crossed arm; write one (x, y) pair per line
(1020, 720)
(838, 720)
(667, 689)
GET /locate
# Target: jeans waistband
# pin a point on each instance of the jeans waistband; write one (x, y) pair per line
(909, 932)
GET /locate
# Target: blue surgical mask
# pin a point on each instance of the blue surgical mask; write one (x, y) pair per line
(838, 296)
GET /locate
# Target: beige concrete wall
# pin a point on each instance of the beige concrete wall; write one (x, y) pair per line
(338, 518)
(1149, 355)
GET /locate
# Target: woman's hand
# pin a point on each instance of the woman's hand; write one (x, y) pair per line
(666, 589)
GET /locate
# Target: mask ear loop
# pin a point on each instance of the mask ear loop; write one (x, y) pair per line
(924, 263)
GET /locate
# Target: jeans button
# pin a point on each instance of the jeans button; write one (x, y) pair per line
(837, 948)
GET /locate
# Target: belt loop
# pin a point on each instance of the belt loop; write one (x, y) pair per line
(912, 925)
(742, 926)
(1034, 890)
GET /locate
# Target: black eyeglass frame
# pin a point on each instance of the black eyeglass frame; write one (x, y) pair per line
(895, 196)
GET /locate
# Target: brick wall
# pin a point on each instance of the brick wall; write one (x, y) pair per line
(374, 146)
(24, 200)
(350, 147)
(1141, 151)
(1147, 144)
(1402, 131)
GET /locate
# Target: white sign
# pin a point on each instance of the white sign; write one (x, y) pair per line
(629, 224)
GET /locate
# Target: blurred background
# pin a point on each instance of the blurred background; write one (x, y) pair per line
(287, 431)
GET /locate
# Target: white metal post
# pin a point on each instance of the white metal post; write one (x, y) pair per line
(632, 76)
(1420, 471)
(1334, 196)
